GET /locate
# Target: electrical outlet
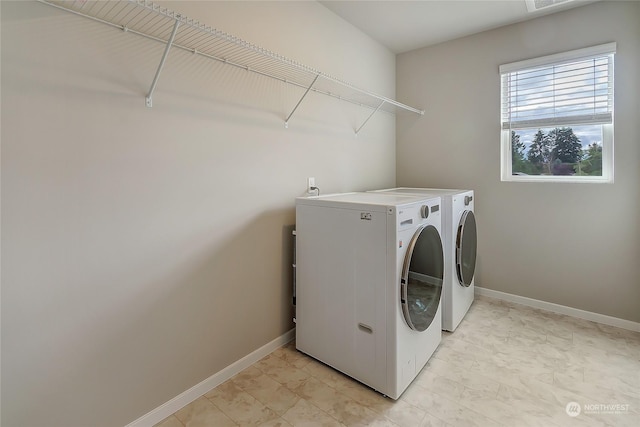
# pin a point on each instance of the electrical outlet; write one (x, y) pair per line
(311, 182)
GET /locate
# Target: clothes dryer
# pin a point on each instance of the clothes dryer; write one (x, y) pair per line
(369, 271)
(459, 236)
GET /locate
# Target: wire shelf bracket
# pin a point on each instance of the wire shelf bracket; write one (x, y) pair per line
(371, 115)
(286, 121)
(175, 31)
(149, 97)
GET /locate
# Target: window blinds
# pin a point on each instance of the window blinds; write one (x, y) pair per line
(565, 89)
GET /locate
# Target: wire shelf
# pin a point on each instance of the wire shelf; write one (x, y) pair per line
(152, 21)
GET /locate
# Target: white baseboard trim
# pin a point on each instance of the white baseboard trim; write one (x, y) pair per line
(560, 309)
(186, 397)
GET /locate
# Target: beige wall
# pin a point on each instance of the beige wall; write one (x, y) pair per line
(144, 250)
(576, 245)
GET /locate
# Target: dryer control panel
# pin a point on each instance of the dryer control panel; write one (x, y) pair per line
(411, 216)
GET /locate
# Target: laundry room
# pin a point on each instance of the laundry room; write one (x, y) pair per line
(154, 155)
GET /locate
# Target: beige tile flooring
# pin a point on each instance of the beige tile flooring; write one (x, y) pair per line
(505, 365)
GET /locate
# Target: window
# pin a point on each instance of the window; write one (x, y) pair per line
(557, 117)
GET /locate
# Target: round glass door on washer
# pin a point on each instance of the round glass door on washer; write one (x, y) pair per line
(422, 277)
(466, 248)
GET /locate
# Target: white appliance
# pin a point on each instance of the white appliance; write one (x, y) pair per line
(460, 245)
(369, 271)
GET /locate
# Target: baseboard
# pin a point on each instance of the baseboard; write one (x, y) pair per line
(560, 309)
(183, 399)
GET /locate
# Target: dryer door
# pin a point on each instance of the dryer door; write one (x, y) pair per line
(466, 245)
(421, 281)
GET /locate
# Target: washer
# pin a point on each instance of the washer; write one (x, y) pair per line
(369, 275)
(460, 246)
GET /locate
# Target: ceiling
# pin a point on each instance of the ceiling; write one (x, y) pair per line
(402, 25)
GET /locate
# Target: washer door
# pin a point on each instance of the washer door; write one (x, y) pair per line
(466, 246)
(421, 281)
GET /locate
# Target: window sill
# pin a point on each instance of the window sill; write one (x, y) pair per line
(558, 179)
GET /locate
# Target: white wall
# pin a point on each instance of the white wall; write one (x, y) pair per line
(576, 245)
(144, 250)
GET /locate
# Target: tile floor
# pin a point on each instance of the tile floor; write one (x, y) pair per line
(505, 365)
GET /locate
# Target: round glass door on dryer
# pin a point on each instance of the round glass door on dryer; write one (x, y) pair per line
(466, 248)
(422, 278)
(459, 294)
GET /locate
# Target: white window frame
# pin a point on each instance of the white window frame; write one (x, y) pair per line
(506, 164)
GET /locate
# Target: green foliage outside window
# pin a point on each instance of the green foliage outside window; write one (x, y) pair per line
(558, 152)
